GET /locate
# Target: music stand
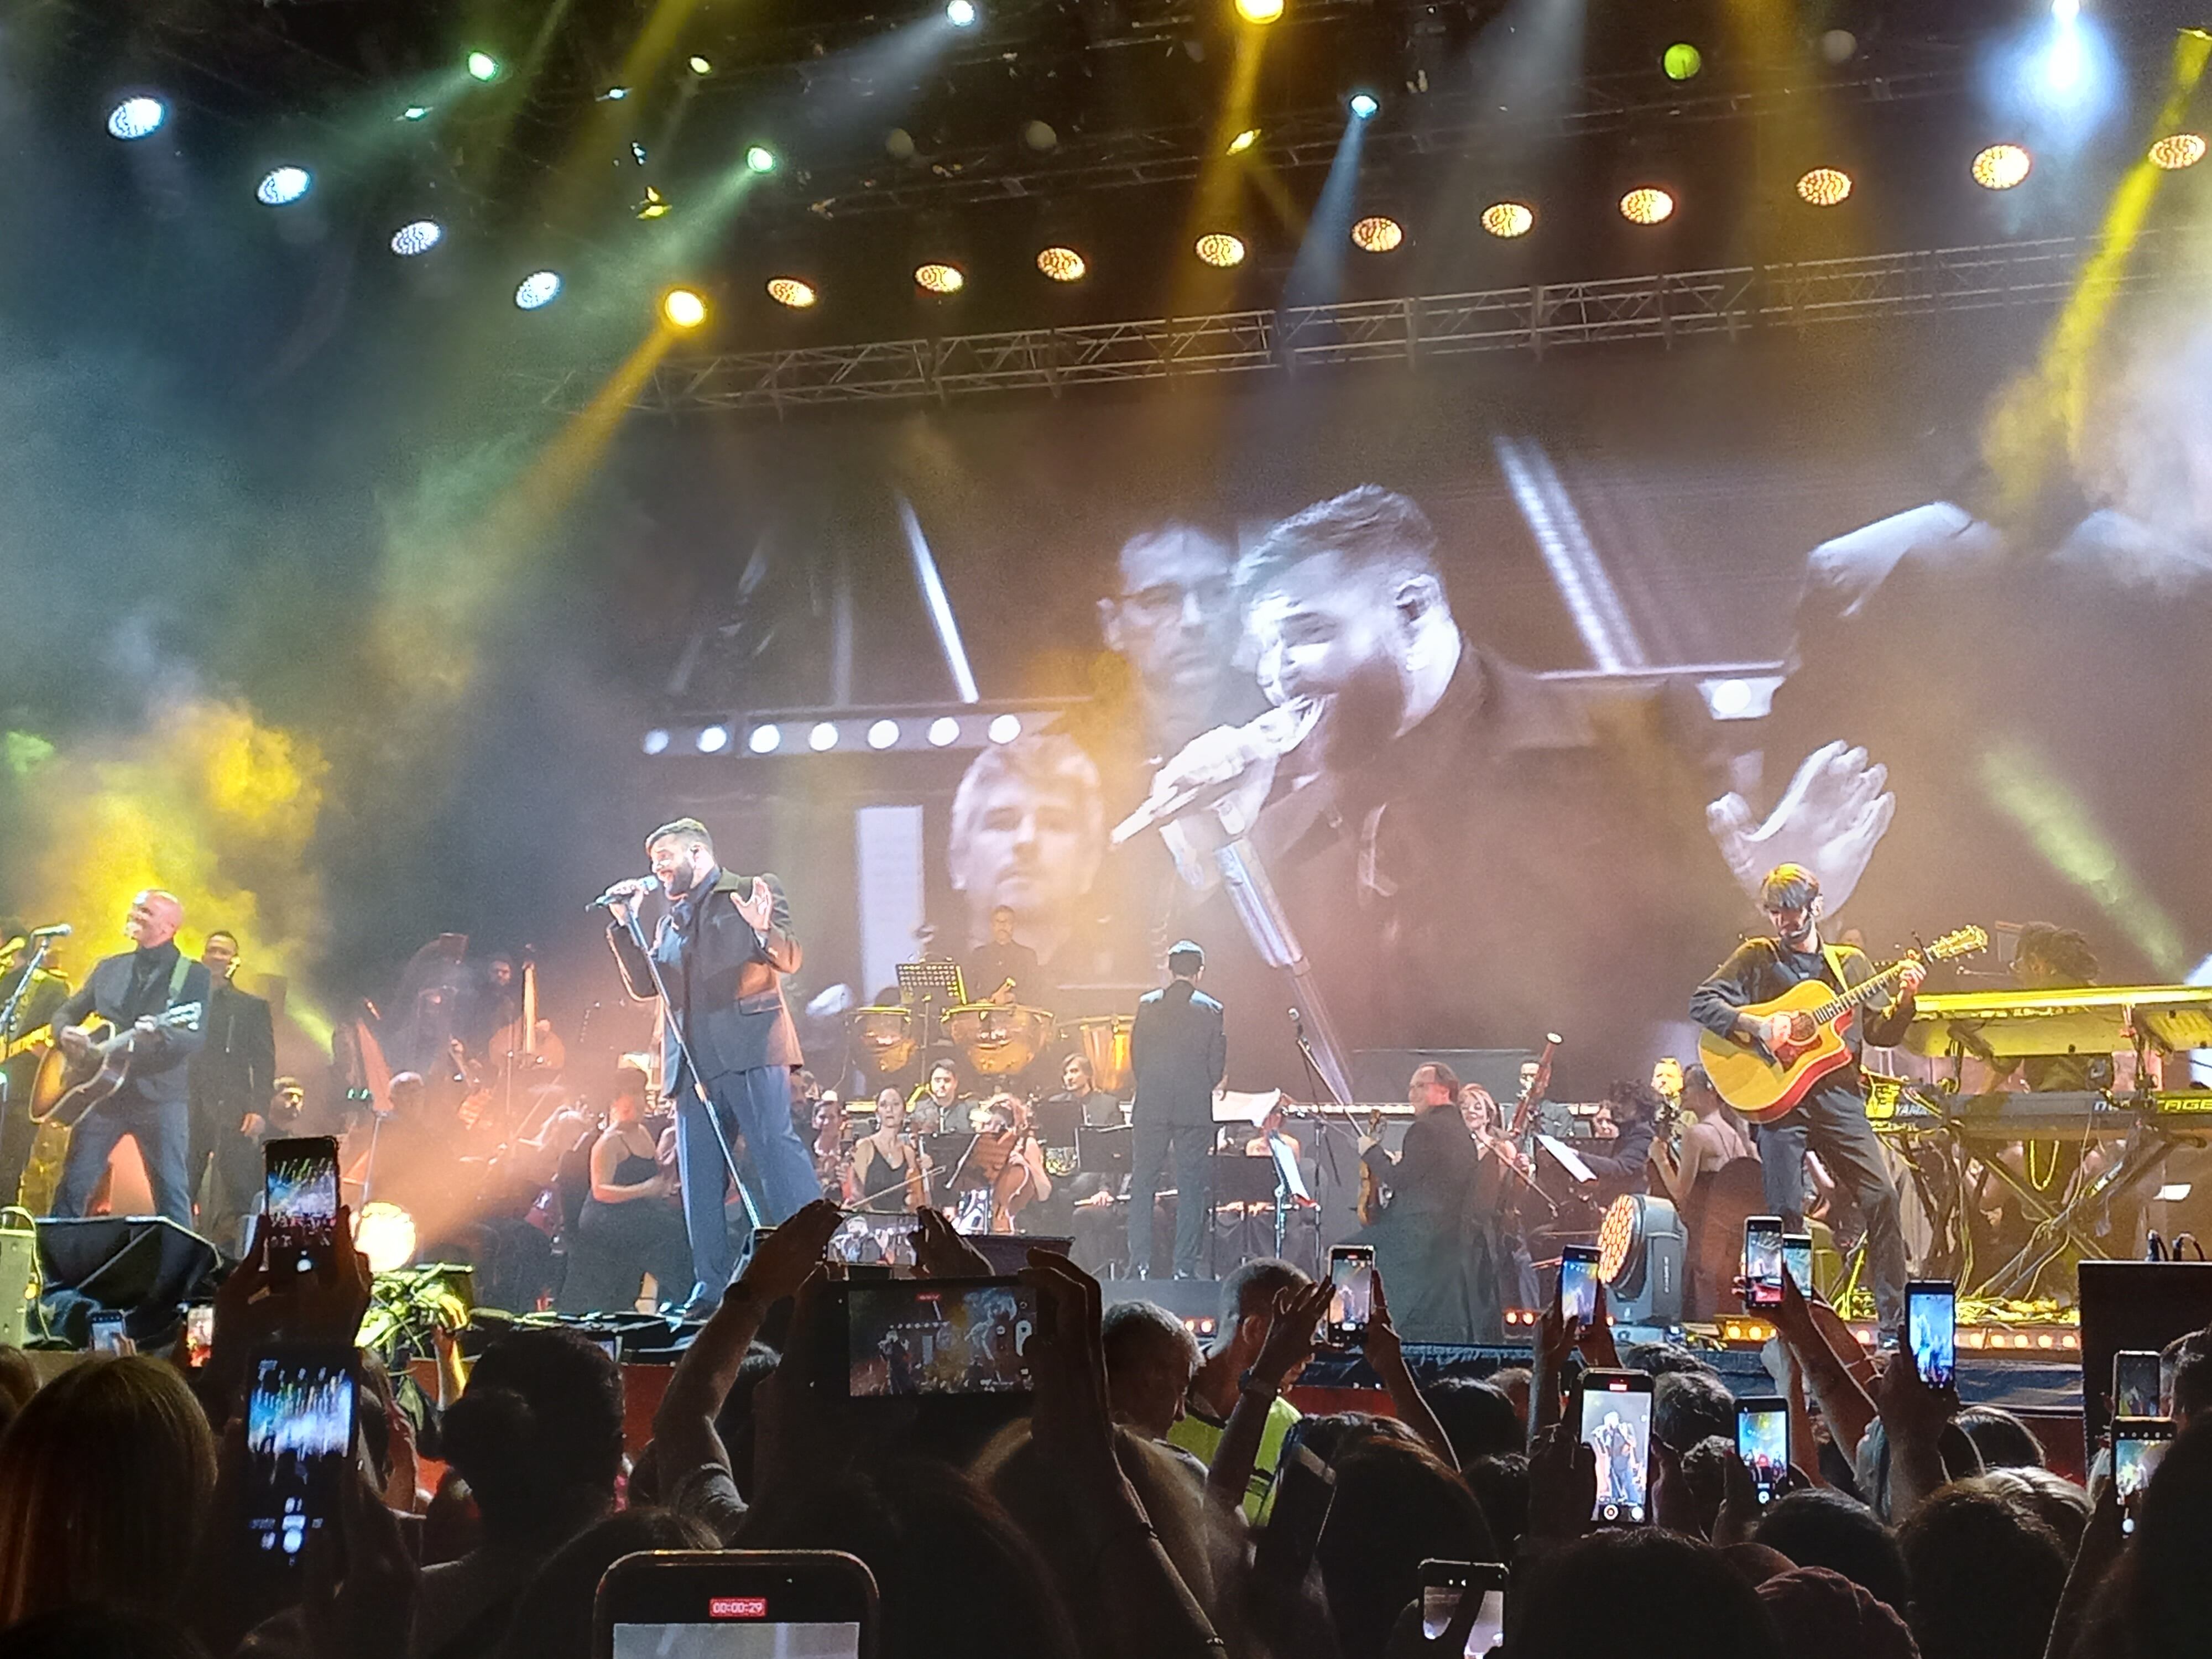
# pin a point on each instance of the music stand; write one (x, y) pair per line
(1233, 1178)
(932, 986)
(1103, 1151)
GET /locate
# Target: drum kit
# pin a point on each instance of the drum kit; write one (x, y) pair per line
(996, 1039)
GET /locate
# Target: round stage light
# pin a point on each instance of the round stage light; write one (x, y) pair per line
(538, 290)
(1681, 61)
(883, 734)
(1824, 186)
(765, 739)
(682, 308)
(700, 65)
(824, 737)
(961, 13)
(413, 112)
(1377, 233)
(1647, 205)
(1244, 140)
(1004, 728)
(790, 291)
(281, 187)
(1259, 12)
(656, 741)
(2178, 150)
(1218, 248)
(482, 66)
(898, 144)
(385, 1233)
(1839, 46)
(615, 95)
(1040, 135)
(137, 118)
(760, 159)
(417, 236)
(1062, 264)
(2002, 166)
(1363, 105)
(938, 277)
(714, 740)
(1508, 219)
(943, 732)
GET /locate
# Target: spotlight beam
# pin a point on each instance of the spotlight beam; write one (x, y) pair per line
(940, 608)
(1317, 274)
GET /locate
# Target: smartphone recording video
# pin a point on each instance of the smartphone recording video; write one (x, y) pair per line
(1931, 1313)
(1797, 1261)
(299, 1446)
(106, 1333)
(1762, 1440)
(1616, 1425)
(735, 1604)
(2139, 1443)
(301, 1186)
(1762, 1261)
(2135, 1383)
(1443, 1583)
(938, 1336)
(1579, 1282)
(1351, 1294)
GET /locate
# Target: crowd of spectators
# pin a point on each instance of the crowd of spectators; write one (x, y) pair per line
(1130, 1512)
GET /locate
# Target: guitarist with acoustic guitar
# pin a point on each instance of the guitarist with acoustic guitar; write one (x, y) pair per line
(1830, 1117)
(154, 997)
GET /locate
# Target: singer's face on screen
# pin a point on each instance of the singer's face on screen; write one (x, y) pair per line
(1325, 631)
(678, 864)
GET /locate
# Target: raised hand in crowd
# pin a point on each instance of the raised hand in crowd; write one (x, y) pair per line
(940, 1252)
(1914, 1418)
(1386, 1358)
(1292, 1334)
(1562, 1486)
(362, 1582)
(254, 1308)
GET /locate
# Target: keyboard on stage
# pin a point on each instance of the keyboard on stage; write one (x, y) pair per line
(2030, 1115)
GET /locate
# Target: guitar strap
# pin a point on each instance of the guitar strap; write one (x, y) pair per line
(177, 979)
(1835, 955)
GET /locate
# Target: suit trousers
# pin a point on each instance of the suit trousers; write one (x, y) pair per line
(1832, 1123)
(163, 1131)
(1154, 1144)
(757, 1104)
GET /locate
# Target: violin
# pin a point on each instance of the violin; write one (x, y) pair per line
(1370, 1188)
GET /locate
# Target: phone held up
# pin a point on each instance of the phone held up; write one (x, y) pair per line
(1579, 1282)
(2139, 1443)
(1762, 1440)
(1762, 1262)
(300, 1184)
(1442, 1583)
(106, 1333)
(1616, 1425)
(1351, 1294)
(2136, 1391)
(1931, 1330)
(736, 1604)
(300, 1408)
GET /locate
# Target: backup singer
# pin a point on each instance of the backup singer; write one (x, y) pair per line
(723, 948)
(233, 1078)
(1831, 1121)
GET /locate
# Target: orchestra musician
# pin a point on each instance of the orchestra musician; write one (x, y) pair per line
(1007, 1159)
(1434, 1241)
(1831, 1121)
(934, 1107)
(1003, 970)
(629, 1226)
(723, 948)
(890, 1172)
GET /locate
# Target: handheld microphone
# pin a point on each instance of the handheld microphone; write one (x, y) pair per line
(59, 930)
(643, 884)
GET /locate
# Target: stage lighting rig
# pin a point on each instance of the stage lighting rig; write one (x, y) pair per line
(1647, 205)
(482, 66)
(538, 290)
(962, 14)
(1378, 232)
(940, 276)
(760, 159)
(682, 308)
(2177, 150)
(1824, 188)
(1259, 12)
(1062, 264)
(1507, 219)
(792, 292)
(140, 115)
(281, 187)
(1363, 105)
(418, 237)
(1682, 61)
(1244, 140)
(1221, 250)
(2001, 166)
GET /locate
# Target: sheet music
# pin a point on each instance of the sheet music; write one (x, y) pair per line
(1570, 1160)
(1285, 1154)
(1230, 1107)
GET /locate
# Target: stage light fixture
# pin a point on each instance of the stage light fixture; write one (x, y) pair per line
(614, 94)
(1041, 137)
(937, 276)
(1259, 12)
(1377, 233)
(653, 206)
(898, 144)
(823, 738)
(1647, 205)
(760, 159)
(413, 112)
(943, 732)
(2001, 166)
(1824, 186)
(682, 308)
(656, 741)
(2178, 150)
(280, 186)
(700, 65)
(417, 236)
(790, 291)
(1062, 264)
(386, 1234)
(765, 739)
(1244, 140)
(1508, 219)
(883, 734)
(1363, 105)
(1004, 728)
(137, 117)
(538, 290)
(482, 66)
(1682, 61)
(714, 740)
(1220, 249)
(961, 13)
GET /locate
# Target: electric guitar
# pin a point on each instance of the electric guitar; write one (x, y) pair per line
(66, 1089)
(1762, 1084)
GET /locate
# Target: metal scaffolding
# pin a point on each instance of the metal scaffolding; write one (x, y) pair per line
(1666, 307)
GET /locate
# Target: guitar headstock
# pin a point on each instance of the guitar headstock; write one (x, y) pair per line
(1960, 942)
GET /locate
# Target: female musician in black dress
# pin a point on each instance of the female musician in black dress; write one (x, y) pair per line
(629, 1227)
(887, 1166)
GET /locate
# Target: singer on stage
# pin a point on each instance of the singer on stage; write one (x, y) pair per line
(722, 950)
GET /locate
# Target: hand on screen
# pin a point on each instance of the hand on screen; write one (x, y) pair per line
(1382, 1345)
(369, 1613)
(1830, 819)
(1562, 1484)
(1073, 1426)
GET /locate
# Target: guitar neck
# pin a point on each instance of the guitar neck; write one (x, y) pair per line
(1863, 992)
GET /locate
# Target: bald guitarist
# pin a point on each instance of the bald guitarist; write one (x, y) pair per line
(131, 991)
(1831, 1118)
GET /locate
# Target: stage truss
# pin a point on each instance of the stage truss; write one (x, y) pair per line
(1667, 307)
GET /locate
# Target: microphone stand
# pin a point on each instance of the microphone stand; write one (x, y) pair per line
(13, 1010)
(691, 1070)
(1323, 1091)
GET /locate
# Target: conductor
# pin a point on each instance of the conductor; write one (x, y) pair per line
(1179, 1054)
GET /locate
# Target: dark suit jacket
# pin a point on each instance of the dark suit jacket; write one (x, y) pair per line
(237, 1067)
(1179, 1054)
(160, 1073)
(1441, 1174)
(724, 982)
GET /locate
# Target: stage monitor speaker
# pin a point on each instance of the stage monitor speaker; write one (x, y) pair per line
(2133, 1304)
(144, 1265)
(1380, 1075)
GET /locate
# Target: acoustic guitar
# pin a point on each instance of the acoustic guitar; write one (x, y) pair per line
(1762, 1084)
(38, 1038)
(66, 1089)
